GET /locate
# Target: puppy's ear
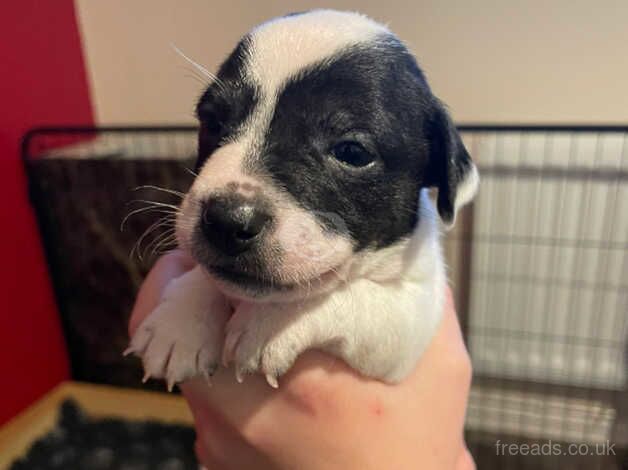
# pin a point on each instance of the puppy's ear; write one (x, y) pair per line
(449, 168)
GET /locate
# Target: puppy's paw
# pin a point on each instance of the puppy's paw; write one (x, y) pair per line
(176, 346)
(255, 343)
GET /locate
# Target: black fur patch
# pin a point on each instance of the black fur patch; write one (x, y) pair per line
(449, 162)
(373, 94)
(226, 104)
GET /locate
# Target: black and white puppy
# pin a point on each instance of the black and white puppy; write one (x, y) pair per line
(309, 217)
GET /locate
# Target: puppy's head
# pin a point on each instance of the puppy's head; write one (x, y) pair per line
(315, 141)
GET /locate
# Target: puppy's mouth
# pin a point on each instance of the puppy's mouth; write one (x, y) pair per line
(246, 280)
(263, 284)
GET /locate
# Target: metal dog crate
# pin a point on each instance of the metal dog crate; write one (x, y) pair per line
(541, 259)
(539, 266)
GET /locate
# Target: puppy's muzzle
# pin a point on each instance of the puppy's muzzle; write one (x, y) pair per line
(233, 224)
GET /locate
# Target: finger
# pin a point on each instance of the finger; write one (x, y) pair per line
(167, 268)
(219, 444)
(465, 460)
(448, 342)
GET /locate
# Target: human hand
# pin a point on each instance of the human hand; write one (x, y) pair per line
(324, 415)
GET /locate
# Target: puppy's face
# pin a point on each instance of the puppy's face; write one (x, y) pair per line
(315, 140)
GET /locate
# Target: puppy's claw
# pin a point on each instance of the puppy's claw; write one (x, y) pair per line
(171, 383)
(239, 375)
(140, 341)
(272, 380)
(228, 351)
(146, 377)
(127, 351)
(207, 376)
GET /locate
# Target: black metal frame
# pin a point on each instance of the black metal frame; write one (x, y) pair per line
(39, 131)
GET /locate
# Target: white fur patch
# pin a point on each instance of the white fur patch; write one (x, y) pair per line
(465, 192)
(286, 46)
(467, 188)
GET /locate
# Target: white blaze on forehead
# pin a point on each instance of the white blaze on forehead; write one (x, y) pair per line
(283, 47)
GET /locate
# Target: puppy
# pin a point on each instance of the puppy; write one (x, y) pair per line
(310, 218)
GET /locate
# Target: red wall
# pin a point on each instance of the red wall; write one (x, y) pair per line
(42, 81)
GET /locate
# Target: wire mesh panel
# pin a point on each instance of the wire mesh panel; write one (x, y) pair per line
(547, 306)
(82, 183)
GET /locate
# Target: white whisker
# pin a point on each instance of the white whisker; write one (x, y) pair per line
(199, 67)
(190, 171)
(164, 239)
(196, 78)
(141, 210)
(136, 247)
(157, 204)
(159, 188)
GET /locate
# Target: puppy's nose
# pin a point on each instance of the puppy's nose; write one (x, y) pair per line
(232, 224)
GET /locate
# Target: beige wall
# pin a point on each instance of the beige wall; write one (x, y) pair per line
(491, 61)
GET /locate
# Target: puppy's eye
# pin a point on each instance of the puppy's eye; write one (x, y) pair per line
(352, 153)
(211, 125)
(212, 114)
